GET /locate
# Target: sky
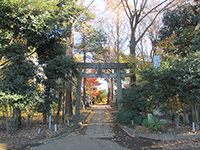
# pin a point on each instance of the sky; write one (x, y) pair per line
(103, 84)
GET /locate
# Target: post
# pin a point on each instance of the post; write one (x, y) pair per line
(50, 117)
(156, 61)
(156, 64)
(193, 127)
(119, 89)
(56, 127)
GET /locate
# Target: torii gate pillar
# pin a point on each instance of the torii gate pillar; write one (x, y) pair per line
(119, 89)
(78, 95)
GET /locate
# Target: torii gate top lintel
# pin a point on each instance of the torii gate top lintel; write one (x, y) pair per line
(99, 67)
(104, 65)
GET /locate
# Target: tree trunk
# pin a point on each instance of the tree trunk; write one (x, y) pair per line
(59, 108)
(197, 115)
(7, 120)
(17, 118)
(45, 110)
(44, 116)
(10, 111)
(177, 121)
(193, 111)
(177, 117)
(184, 114)
(68, 101)
(70, 42)
(108, 81)
(29, 121)
(46, 105)
(133, 52)
(64, 103)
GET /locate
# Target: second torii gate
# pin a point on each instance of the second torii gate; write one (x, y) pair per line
(99, 67)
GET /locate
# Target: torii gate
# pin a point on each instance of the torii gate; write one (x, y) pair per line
(99, 67)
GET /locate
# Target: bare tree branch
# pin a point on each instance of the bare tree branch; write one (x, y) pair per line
(129, 15)
(147, 27)
(117, 5)
(163, 9)
(154, 9)
(142, 6)
(125, 9)
(90, 4)
(135, 4)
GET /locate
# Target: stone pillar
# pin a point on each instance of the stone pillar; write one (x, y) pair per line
(156, 61)
(78, 95)
(119, 89)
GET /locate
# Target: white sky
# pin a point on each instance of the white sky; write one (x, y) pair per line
(103, 84)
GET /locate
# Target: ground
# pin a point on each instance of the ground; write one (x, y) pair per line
(134, 143)
(23, 139)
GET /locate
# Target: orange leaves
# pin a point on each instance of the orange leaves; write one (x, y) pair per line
(91, 82)
(91, 86)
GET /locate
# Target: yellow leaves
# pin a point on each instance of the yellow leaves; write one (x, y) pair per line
(3, 146)
(167, 44)
(139, 62)
(78, 58)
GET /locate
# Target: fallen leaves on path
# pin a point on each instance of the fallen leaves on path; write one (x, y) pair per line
(191, 143)
(24, 137)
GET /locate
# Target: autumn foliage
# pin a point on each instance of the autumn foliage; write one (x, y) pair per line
(91, 87)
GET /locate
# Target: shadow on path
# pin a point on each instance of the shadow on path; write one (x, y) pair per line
(127, 141)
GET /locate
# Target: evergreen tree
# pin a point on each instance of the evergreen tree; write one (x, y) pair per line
(34, 28)
(181, 26)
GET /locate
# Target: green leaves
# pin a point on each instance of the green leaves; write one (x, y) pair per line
(154, 124)
(125, 117)
(9, 98)
(59, 67)
(33, 32)
(133, 99)
(180, 34)
(173, 83)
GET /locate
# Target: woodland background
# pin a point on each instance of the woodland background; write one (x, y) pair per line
(42, 41)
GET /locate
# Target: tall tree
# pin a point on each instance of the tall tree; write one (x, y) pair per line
(70, 52)
(180, 26)
(136, 12)
(115, 26)
(116, 22)
(29, 27)
(174, 85)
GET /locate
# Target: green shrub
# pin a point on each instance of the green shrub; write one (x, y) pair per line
(125, 117)
(153, 125)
